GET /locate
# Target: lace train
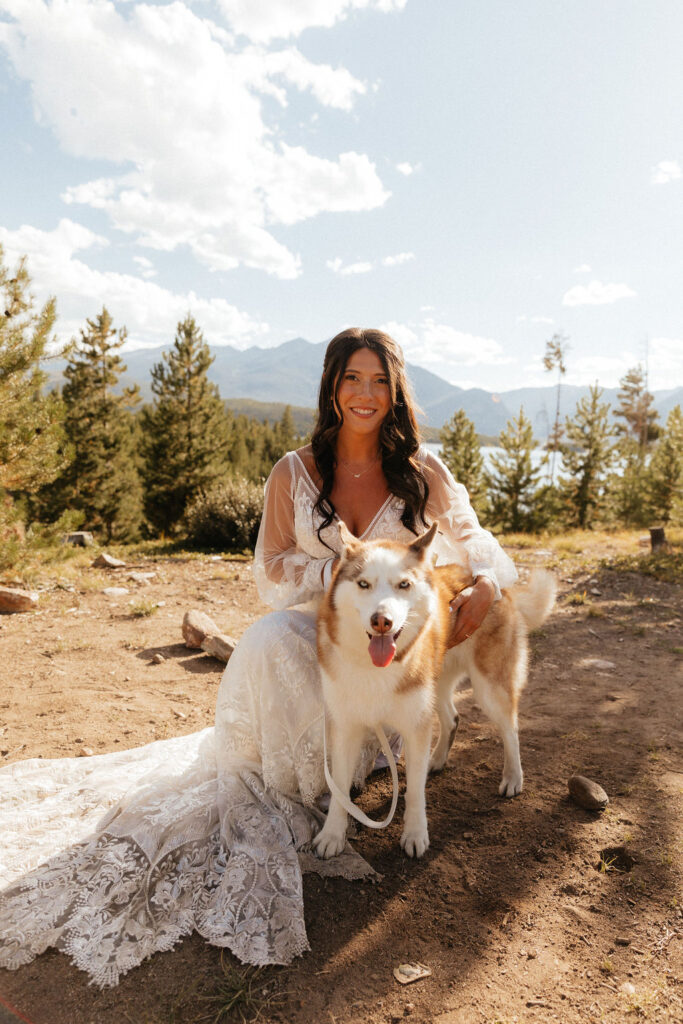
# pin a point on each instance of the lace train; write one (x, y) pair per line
(115, 857)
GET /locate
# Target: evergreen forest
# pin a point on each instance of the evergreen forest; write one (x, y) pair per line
(187, 468)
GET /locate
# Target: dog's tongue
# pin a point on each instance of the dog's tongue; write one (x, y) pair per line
(382, 649)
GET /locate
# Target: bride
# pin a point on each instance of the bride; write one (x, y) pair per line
(115, 857)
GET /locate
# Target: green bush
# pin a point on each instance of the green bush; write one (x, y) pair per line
(227, 517)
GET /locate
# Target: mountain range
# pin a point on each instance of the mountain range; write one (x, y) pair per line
(290, 374)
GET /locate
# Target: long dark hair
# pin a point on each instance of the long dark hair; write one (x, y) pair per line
(399, 435)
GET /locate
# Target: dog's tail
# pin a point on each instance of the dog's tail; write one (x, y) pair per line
(535, 601)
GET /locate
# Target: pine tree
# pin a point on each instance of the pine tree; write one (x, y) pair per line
(555, 352)
(461, 452)
(587, 455)
(629, 487)
(666, 471)
(512, 479)
(103, 479)
(32, 448)
(186, 433)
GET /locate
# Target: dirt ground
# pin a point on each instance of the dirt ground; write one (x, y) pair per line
(528, 910)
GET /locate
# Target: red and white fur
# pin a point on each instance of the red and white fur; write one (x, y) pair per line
(391, 595)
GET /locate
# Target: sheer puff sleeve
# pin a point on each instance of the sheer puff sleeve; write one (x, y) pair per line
(285, 574)
(461, 539)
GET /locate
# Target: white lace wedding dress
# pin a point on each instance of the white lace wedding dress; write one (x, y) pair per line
(114, 857)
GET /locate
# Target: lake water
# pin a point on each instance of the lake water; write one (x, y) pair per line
(537, 455)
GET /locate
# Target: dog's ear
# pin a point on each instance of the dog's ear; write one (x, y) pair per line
(350, 543)
(422, 543)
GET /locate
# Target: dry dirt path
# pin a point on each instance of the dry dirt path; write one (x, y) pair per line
(509, 908)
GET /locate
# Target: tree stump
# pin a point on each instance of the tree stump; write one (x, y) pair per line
(657, 538)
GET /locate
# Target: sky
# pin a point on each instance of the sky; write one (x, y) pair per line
(472, 176)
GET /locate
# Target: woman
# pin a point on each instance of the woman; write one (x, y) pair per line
(116, 857)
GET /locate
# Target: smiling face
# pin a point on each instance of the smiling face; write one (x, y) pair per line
(363, 392)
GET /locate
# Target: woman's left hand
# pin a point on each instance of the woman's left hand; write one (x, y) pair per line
(469, 609)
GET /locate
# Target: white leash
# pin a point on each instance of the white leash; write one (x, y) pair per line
(343, 798)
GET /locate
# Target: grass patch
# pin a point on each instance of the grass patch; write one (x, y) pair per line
(666, 566)
(578, 598)
(143, 609)
(242, 994)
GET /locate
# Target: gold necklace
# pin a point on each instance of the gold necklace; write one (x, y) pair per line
(357, 476)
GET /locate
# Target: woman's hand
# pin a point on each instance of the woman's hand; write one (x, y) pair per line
(469, 609)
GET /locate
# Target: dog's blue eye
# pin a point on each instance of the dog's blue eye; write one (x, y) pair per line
(364, 584)
(404, 585)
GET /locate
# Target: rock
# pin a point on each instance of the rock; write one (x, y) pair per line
(220, 646)
(80, 539)
(600, 663)
(197, 626)
(408, 1009)
(595, 592)
(143, 578)
(587, 793)
(622, 940)
(408, 973)
(158, 658)
(627, 988)
(115, 591)
(105, 561)
(468, 835)
(86, 752)
(12, 600)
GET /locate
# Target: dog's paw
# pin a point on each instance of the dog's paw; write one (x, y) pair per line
(437, 761)
(511, 785)
(415, 841)
(328, 843)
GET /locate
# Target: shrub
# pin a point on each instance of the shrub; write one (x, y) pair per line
(227, 517)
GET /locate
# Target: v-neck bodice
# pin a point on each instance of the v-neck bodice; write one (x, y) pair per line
(377, 518)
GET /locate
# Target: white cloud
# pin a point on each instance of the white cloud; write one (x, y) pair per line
(665, 171)
(596, 294)
(149, 311)
(147, 268)
(441, 348)
(364, 267)
(583, 268)
(264, 20)
(398, 259)
(175, 105)
(407, 169)
(542, 320)
(665, 363)
(337, 266)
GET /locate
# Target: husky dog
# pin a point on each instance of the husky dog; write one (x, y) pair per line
(383, 628)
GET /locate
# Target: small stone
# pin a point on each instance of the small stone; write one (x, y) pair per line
(627, 988)
(115, 591)
(86, 752)
(79, 740)
(143, 578)
(468, 835)
(105, 561)
(622, 940)
(600, 663)
(587, 793)
(179, 714)
(158, 658)
(12, 600)
(595, 592)
(408, 1009)
(406, 974)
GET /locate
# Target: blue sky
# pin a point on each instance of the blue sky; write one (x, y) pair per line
(471, 175)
